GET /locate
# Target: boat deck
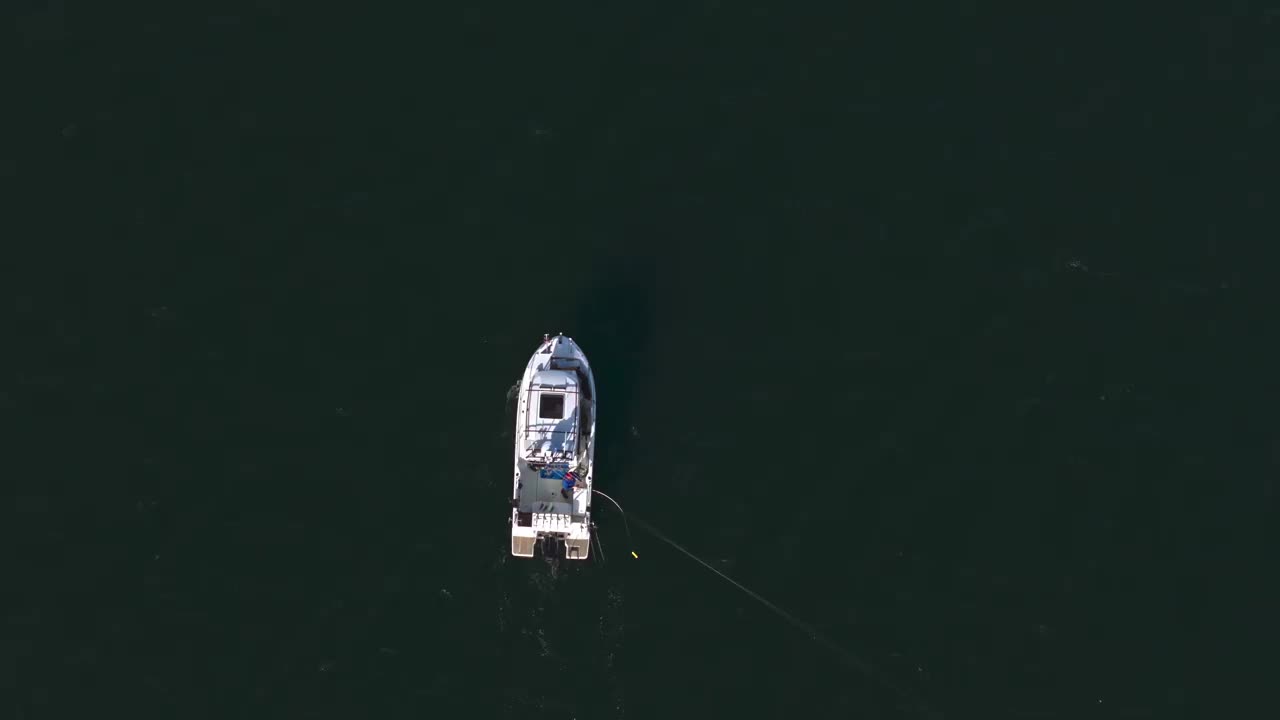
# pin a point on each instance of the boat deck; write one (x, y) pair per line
(522, 545)
(540, 493)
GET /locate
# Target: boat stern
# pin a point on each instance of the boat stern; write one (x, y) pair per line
(558, 533)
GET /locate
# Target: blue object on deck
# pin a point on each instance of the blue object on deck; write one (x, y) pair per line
(555, 472)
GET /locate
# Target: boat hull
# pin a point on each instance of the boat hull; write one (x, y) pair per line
(554, 455)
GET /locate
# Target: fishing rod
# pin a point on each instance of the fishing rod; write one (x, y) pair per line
(850, 659)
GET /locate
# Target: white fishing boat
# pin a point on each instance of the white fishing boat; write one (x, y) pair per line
(555, 445)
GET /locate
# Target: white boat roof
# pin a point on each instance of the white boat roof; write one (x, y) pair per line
(554, 379)
(551, 423)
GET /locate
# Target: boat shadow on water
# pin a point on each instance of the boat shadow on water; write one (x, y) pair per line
(616, 321)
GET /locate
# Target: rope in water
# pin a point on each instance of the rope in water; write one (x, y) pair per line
(624, 519)
(850, 659)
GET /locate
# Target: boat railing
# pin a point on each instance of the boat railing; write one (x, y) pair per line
(551, 430)
(532, 456)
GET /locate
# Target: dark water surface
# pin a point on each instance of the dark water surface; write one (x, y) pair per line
(942, 330)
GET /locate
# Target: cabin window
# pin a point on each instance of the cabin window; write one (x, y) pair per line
(551, 407)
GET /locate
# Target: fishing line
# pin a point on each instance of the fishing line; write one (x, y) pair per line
(850, 659)
(624, 519)
(595, 537)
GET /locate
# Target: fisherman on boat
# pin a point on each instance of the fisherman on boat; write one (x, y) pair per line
(570, 482)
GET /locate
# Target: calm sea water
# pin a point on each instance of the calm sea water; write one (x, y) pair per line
(940, 330)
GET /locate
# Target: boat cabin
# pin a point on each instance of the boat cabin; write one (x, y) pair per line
(558, 419)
